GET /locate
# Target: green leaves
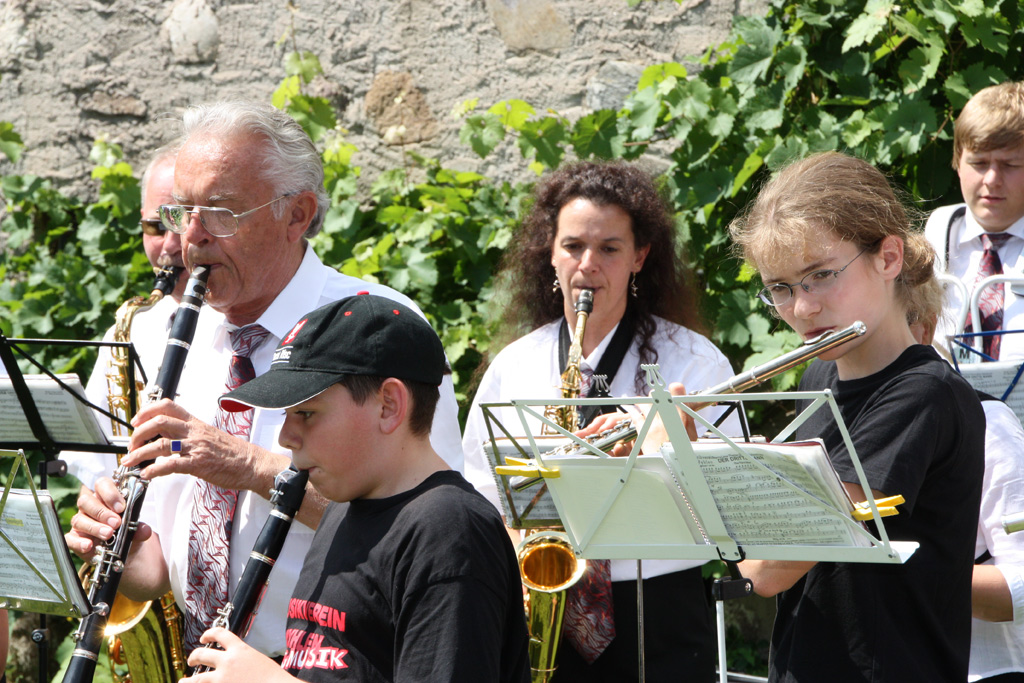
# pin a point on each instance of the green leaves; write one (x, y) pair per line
(314, 114)
(879, 79)
(920, 67)
(753, 58)
(482, 132)
(305, 65)
(868, 25)
(67, 266)
(10, 142)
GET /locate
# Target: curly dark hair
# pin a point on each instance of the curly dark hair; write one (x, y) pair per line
(525, 276)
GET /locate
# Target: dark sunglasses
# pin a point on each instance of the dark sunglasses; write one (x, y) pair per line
(153, 227)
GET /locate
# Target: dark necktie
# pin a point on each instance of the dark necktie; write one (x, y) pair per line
(213, 507)
(991, 303)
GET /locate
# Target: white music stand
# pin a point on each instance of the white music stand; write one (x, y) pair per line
(1000, 378)
(676, 504)
(37, 574)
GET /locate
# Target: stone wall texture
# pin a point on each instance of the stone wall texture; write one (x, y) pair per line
(74, 70)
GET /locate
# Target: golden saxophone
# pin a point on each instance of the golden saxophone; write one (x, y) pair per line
(121, 382)
(547, 563)
(143, 638)
(568, 417)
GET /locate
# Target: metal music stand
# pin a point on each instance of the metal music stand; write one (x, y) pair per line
(998, 378)
(29, 530)
(43, 440)
(670, 506)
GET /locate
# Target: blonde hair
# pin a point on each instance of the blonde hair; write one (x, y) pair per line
(847, 197)
(992, 119)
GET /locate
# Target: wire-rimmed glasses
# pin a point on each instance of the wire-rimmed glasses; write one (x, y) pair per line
(817, 282)
(216, 220)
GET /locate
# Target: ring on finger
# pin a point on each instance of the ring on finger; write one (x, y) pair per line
(176, 446)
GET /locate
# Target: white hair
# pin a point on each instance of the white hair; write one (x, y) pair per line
(168, 151)
(291, 162)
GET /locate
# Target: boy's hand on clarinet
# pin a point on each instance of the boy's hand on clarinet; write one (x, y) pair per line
(235, 661)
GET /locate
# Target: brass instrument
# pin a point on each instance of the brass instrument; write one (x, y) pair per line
(548, 566)
(145, 639)
(121, 384)
(547, 562)
(568, 417)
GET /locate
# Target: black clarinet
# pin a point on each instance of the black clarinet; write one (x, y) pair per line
(286, 498)
(111, 556)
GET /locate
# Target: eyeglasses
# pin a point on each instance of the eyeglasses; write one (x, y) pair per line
(153, 227)
(818, 282)
(217, 221)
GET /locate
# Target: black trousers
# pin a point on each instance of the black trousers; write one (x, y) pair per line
(679, 635)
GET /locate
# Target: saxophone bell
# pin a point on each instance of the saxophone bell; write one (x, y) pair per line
(548, 566)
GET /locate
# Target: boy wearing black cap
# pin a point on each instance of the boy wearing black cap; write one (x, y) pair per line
(411, 576)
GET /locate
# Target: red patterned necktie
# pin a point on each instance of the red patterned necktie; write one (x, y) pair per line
(589, 622)
(213, 507)
(991, 303)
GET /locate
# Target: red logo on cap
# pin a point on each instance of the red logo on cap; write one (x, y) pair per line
(362, 292)
(295, 330)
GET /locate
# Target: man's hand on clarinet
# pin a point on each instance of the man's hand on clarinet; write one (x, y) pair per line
(98, 518)
(178, 442)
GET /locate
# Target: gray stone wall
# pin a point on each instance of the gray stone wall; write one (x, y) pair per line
(73, 70)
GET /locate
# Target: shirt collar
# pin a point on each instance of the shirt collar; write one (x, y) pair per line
(300, 296)
(973, 230)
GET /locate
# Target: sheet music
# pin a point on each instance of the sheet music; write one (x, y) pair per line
(65, 418)
(994, 378)
(534, 505)
(22, 533)
(758, 508)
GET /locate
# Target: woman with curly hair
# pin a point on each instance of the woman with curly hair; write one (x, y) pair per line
(604, 227)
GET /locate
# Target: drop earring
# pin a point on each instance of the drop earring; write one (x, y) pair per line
(556, 286)
(632, 286)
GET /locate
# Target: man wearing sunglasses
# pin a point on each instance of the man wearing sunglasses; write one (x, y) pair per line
(248, 193)
(163, 247)
(149, 326)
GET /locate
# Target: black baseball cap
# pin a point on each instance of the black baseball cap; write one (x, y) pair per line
(360, 335)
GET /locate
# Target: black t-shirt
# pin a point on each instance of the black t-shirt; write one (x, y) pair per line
(422, 586)
(919, 432)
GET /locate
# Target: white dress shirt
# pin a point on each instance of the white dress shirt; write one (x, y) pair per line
(149, 336)
(168, 505)
(998, 647)
(964, 260)
(528, 369)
